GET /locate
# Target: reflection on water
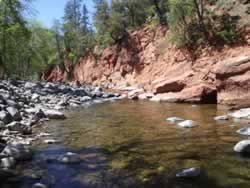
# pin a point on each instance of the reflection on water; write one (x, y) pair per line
(129, 144)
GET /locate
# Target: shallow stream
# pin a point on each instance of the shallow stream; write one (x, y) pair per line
(130, 144)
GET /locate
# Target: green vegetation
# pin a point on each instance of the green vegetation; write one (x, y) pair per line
(27, 46)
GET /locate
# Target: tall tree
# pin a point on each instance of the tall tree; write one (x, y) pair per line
(13, 25)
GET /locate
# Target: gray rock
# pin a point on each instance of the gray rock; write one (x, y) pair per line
(244, 131)
(5, 117)
(14, 113)
(85, 98)
(12, 103)
(8, 162)
(242, 146)
(35, 96)
(19, 127)
(70, 158)
(29, 85)
(51, 141)
(189, 173)
(2, 125)
(19, 152)
(39, 185)
(187, 124)
(174, 119)
(221, 118)
(54, 114)
(240, 114)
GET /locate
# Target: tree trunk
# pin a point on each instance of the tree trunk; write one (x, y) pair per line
(159, 12)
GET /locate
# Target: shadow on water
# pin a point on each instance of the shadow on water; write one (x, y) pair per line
(130, 145)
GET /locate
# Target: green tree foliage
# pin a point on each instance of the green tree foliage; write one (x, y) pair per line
(101, 22)
(13, 33)
(78, 37)
(192, 23)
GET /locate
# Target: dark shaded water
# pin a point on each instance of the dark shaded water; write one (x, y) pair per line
(129, 144)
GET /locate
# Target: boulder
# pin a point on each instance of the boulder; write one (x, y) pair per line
(135, 93)
(14, 113)
(242, 147)
(29, 85)
(54, 114)
(19, 152)
(189, 173)
(5, 117)
(233, 80)
(145, 96)
(70, 158)
(19, 127)
(187, 124)
(244, 131)
(8, 162)
(240, 114)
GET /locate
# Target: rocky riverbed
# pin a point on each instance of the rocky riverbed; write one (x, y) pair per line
(24, 105)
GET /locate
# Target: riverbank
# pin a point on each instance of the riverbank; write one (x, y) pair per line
(150, 65)
(24, 105)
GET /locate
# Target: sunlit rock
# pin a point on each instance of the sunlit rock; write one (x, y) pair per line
(187, 124)
(242, 146)
(189, 173)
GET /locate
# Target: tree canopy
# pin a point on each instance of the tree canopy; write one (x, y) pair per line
(27, 47)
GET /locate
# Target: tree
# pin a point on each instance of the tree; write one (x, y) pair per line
(72, 13)
(13, 28)
(101, 22)
(161, 9)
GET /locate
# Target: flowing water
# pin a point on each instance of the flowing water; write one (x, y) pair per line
(130, 144)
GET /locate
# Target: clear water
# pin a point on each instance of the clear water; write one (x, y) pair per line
(129, 144)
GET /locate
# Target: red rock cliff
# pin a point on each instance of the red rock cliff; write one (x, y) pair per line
(149, 62)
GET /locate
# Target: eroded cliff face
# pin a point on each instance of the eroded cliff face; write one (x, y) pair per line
(153, 68)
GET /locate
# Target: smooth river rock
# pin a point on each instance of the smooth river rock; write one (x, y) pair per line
(54, 114)
(244, 131)
(187, 124)
(5, 117)
(39, 185)
(8, 162)
(189, 173)
(174, 119)
(14, 113)
(18, 151)
(242, 146)
(221, 118)
(70, 158)
(240, 114)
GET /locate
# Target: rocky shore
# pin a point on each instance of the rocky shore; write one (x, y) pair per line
(26, 104)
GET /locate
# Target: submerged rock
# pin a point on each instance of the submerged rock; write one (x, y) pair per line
(187, 124)
(240, 114)
(51, 141)
(18, 151)
(189, 173)
(39, 185)
(220, 118)
(70, 158)
(8, 162)
(244, 131)
(242, 146)
(174, 119)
